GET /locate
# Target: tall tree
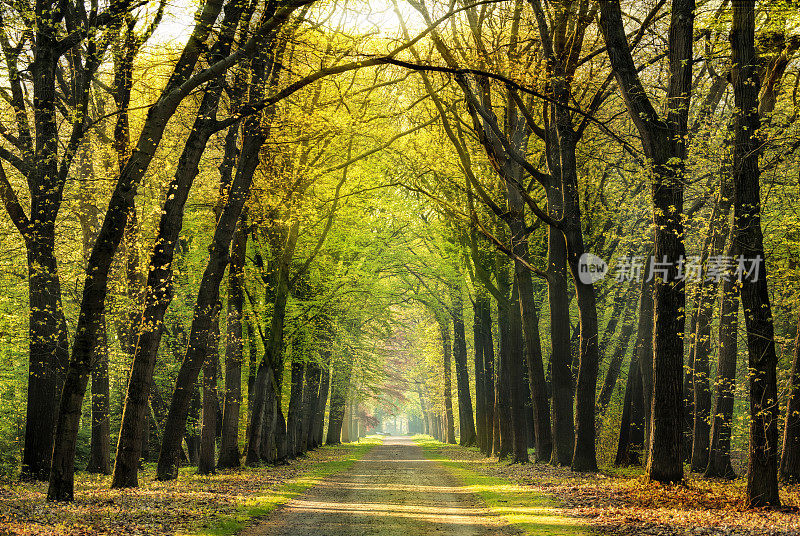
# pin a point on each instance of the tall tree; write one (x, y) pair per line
(158, 296)
(762, 473)
(42, 153)
(229, 455)
(664, 144)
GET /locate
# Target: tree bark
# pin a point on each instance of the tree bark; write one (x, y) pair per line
(503, 429)
(664, 143)
(614, 367)
(266, 448)
(719, 459)
(48, 350)
(234, 346)
(632, 425)
(322, 401)
(762, 474)
(347, 422)
(790, 456)
(514, 369)
(562, 417)
(466, 421)
(444, 329)
(294, 419)
(536, 381)
(310, 398)
(489, 374)
(481, 302)
(100, 445)
(340, 384)
(193, 438)
(707, 294)
(208, 432)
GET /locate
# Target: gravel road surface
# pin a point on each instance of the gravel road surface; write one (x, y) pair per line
(392, 491)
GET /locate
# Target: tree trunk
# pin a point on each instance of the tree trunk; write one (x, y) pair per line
(208, 434)
(100, 446)
(47, 331)
(466, 421)
(444, 328)
(267, 449)
(347, 423)
(706, 296)
(322, 401)
(310, 398)
(664, 143)
(644, 355)
(340, 383)
(524, 314)
(234, 346)
(281, 439)
(615, 366)
(719, 459)
(193, 438)
(627, 453)
(504, 431)
(529, 322)
(294, 419)
(262, 421)
(584, 456)
(514, 371)
(762, 474)
(480, 303)
(790, 456)
(562, 417)
(48, 350)
(310, 394)
(489, 373)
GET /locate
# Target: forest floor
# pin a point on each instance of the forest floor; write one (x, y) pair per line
(218, 505)
(622, 502)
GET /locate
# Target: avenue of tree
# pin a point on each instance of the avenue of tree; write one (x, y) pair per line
(231, 238)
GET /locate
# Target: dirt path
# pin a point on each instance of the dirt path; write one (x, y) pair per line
(392, 491)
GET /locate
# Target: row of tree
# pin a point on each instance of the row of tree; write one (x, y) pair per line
(276, 167)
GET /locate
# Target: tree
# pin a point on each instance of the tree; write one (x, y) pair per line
(663, 140)
(43, 154)
(790, 455)
(762, 473)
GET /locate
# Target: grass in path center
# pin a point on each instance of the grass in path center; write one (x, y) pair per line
(522, 507)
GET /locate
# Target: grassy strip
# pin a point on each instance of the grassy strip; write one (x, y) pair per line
(532, 512)
(263, 504)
